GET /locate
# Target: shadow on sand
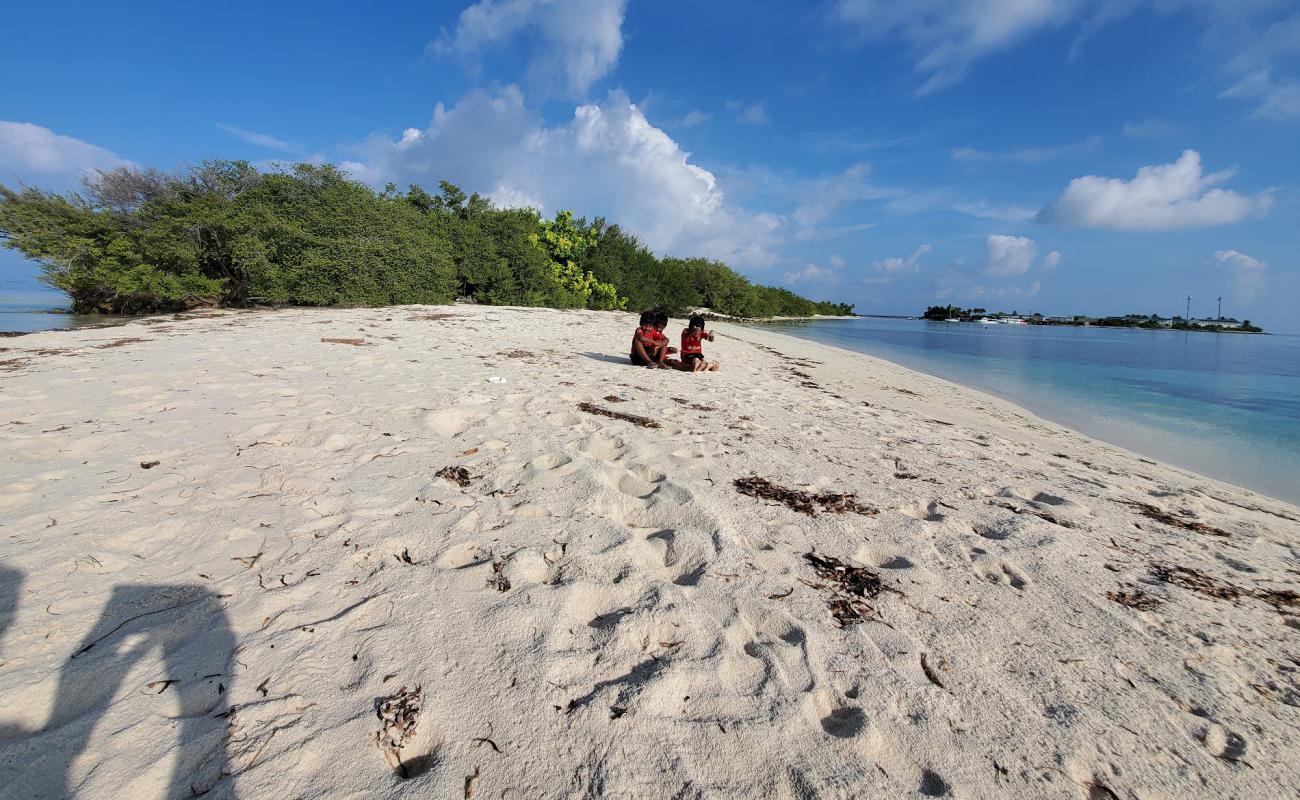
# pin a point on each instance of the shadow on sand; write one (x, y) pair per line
(188, 625)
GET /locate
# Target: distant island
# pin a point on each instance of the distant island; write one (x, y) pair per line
(224, 233)
(1148, 321)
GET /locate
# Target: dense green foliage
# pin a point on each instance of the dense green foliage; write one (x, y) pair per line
(226, 234)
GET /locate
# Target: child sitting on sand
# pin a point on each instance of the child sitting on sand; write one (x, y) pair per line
(693, 336)
(650, 345)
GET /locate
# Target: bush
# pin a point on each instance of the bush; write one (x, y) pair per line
(224, 233)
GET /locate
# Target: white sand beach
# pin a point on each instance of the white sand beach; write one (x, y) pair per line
(224, 543)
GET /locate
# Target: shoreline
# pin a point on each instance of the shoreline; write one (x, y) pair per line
(315, 510)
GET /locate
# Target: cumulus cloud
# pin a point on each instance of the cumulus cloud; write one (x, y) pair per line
(1160, 197)
(909, 264)
(1052, 260)
(1010, 255)
(259, 139)
(1240, 261)
(607, 160)
(948, 36)
(580, 39)
(28, 150)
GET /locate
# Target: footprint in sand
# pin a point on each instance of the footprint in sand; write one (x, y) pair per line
(449, 422)
(781, 648)
(881, 558)
(997, 571)
(924, 510)
(1054, 504)
(465, 554)
(836, 717)
(681, 556)
(602, 447)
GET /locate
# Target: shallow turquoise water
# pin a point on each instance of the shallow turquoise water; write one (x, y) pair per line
(1225, 405)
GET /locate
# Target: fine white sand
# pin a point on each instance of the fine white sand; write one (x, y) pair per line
(227, 620)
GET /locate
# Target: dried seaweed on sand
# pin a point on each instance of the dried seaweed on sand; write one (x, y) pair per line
(1151, 512)
(1199, 582)
(353, 342)
(801, 501)
(640, 422)
(457, 475)
(398, 714)
(852, 586)
(1137, 599)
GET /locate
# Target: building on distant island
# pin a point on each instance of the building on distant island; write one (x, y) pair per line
(1221, 322)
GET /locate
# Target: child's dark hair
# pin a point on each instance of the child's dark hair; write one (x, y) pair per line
(661, 318)
(697, 321)
(648, 318)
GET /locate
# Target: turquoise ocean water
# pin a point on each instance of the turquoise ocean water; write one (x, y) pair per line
(1224, 405)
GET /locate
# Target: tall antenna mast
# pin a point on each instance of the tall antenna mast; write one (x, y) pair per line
(1188, 318)
(1220, 306)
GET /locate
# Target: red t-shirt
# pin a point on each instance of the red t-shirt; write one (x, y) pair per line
(648, 335)
(691, 342)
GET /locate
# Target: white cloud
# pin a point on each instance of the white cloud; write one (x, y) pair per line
(809, 273)
(948, 36)
(1148, 129)
(1160, 197)
(1010, 255)
(581, 39)
(824, 196)
(1238, 260)
(1005, 292)
(755, 114)
(28, 150)
(910, 264)
(837, 261)
(1052, 260)
(259, 139)
(1277, 100)
(1027, 155)
(694, 118)
(607, 160)
(983, 210)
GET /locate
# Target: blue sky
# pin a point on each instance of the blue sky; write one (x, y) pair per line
(1092, 156)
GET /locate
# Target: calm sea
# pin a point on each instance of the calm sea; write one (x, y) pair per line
(1224, 405)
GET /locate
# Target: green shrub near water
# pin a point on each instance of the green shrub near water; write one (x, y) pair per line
(223, 233)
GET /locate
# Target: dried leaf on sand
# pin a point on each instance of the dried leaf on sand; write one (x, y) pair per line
(353, 342)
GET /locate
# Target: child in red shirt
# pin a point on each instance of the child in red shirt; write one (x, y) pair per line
(693, 349)
(649, 345)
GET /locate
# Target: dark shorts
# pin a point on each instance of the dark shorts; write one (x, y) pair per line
(638, 360)
(688, 358)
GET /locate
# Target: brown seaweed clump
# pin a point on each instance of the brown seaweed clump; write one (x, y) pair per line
(801, 501)
(639, 421)
(457, 475)
(852, 587)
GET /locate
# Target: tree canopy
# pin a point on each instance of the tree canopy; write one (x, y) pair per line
(225, 233)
